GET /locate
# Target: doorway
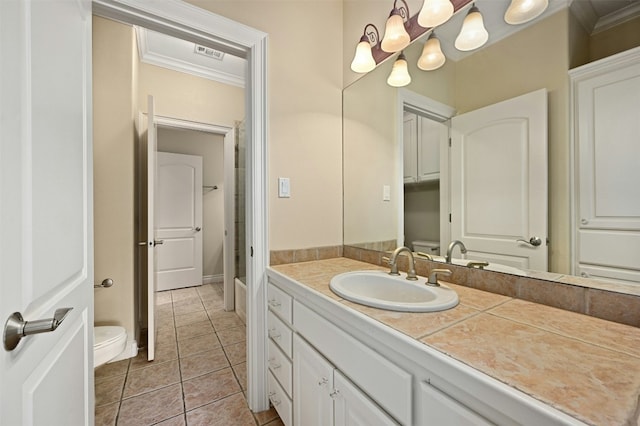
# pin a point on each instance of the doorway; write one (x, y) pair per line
(207, 29)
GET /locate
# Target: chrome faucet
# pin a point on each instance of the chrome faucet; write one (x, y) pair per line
(452, 245)
(393, 263)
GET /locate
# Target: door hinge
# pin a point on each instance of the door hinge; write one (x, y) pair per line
(251, 251)
(449, 142)
(449, 217)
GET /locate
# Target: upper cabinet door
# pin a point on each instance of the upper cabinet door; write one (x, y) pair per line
(499, 181)
(432, 136)
(410, 147)
(46, 215)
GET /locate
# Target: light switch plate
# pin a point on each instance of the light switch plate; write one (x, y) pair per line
(386, 193)
(284, 188)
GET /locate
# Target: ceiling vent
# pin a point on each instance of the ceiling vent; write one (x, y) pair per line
(209, 52)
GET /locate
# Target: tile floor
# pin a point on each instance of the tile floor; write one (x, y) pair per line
(198, 376)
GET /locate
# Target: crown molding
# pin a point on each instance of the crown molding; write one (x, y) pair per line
(618, 17)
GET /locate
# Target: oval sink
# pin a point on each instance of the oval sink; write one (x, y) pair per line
(395, 293)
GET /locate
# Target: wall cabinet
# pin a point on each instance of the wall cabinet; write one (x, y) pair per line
(422, 139)
(606, 107)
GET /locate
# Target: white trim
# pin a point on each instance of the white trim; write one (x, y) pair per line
(438, 111)
(213, 279)
(191, 23)
(618, 17)
(174, 64)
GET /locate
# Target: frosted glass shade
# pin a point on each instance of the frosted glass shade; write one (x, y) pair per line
(363, 59)
(396, 36)
(399, 76)
(434, 13)
(521, 11)
(473, 33)
(432, 57)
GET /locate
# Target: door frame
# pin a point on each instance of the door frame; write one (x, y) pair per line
(437, 111)
(197, 25)
(229, 193)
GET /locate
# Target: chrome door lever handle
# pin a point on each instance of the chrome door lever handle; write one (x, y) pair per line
(197, 229)
(16, 327)
(533, 241)
(158, 242)
(107, 282)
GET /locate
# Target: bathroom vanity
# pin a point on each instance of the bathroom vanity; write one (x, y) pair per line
(490, 360)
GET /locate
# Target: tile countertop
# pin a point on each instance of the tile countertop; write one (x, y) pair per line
(585, 366)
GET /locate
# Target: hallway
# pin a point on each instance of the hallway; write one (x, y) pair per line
(198, 376)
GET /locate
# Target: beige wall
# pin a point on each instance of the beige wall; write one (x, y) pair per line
(113, 144)
(615, 40)
(305, 114)
(210, 147)
(521, 64)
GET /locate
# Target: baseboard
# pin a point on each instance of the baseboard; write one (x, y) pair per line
(130, 351)
(212, 279)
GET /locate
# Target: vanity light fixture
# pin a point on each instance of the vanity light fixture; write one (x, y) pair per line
(521, 11)
(432, 57)
(399, 76)
(434, 13)
(396, 36)
(473, 33)
(363, 59)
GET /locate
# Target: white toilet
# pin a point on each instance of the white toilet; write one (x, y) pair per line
(108, 343)
(429, 247)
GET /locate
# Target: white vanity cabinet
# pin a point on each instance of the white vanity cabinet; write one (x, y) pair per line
(279, 352)
(422, 138)
(324, 396)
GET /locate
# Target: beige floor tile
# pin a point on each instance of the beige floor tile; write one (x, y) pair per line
(232, 410)
(267, 416)
(223, 320)
(236, 353)
(106, 414)
(163, 297)
(193, 330)
(198, 344)
(151, 378)
(233, 335)
(188, 308)
(202, 363)
(184, 293)
(174, 421)
(208, 388)
(213, 304)
(277, 422)
(191, 318)
(109, 390)
(114, 369)
(241, 374)
(152, 407)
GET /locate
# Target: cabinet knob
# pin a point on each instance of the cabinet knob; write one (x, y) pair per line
(274, 303)
(323, 381)
(334, 394)
(273, 334)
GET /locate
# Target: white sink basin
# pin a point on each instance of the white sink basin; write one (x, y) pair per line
(395, 293)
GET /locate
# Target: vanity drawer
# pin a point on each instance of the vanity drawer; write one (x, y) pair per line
(281, 367)
(387, 384)
(280, 401)
(280, 333)
(280, 302)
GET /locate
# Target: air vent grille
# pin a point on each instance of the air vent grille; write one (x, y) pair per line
(209, 52)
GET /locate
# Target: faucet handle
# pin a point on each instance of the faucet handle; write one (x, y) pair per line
(433, 276)
(386, 259)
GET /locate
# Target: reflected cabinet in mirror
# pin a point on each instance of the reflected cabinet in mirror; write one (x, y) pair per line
(514, 176)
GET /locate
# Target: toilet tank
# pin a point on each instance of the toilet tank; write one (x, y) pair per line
(429, 247)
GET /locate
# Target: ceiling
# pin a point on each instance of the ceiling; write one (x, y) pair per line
(179, 55)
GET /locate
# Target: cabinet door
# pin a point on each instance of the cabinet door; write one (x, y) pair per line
(352, 407)
(410, 147)
(441, 409)
(431, 136)
(312, 385)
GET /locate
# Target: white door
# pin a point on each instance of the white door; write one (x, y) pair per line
(499, 181)
(46, 210)
(179, 220)
(152, 269)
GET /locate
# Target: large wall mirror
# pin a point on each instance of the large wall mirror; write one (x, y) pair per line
(538, 56)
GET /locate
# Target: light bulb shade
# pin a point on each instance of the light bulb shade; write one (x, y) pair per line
(363, 59)
(399, 76)
(521, 11)
(434, 13)
(432, 57)
(473, 33)
(396, 36)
